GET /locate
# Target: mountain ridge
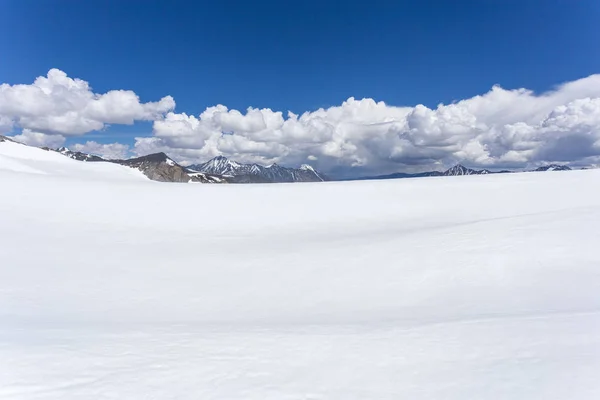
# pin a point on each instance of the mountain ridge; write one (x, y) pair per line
(459, 170)
(254, 173)
(157, 166)
(160, 167)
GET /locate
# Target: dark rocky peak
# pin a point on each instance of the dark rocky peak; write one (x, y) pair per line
(158, 167)
(219, 165)
(460, 169)
(553, 167)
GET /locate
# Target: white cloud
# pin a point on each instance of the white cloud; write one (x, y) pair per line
(108, 151)
(58, 104)
(39, 139)
(6, 124)
(501, 128)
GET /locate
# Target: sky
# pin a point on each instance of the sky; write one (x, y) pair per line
(349, 87)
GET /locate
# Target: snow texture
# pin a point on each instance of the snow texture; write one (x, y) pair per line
(472, 287)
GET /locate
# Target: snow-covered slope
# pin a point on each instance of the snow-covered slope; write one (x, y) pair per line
(478, 287)
(63, 162)
(16, 157)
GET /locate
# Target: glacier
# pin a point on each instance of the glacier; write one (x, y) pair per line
(113, 286)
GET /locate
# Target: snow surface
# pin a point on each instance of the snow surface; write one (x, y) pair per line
(476, 287)
(16, 157)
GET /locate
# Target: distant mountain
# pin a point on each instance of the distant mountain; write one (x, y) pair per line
(254, 173)
(77, 155)
(222, 166)
(553, 167)
(159, 167)
(457, 170)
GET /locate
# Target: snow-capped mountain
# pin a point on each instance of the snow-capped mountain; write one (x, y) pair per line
(553, 167)
(31, 160)
(77, 155)
(159, 167)
(459, 170)
(254, 173)
(220, 169)
(219, 165)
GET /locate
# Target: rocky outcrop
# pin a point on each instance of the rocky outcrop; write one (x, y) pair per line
(159, 167)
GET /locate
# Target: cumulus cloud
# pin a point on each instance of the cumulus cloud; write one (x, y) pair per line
(109, 151)
(6, 124)
(39, 139)
(58, 104)
(501, 128)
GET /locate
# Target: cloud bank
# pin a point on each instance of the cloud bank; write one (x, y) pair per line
(57, 104)
(110, 151)
(499, 129)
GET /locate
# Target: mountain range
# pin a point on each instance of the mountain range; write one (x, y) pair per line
(552, 167)
(157, 167)
(253, 173)
(160, 167)
(459, 170)
(77, 155)
(220, 169)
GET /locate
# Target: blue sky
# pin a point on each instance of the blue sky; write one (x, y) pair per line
(298, 55)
